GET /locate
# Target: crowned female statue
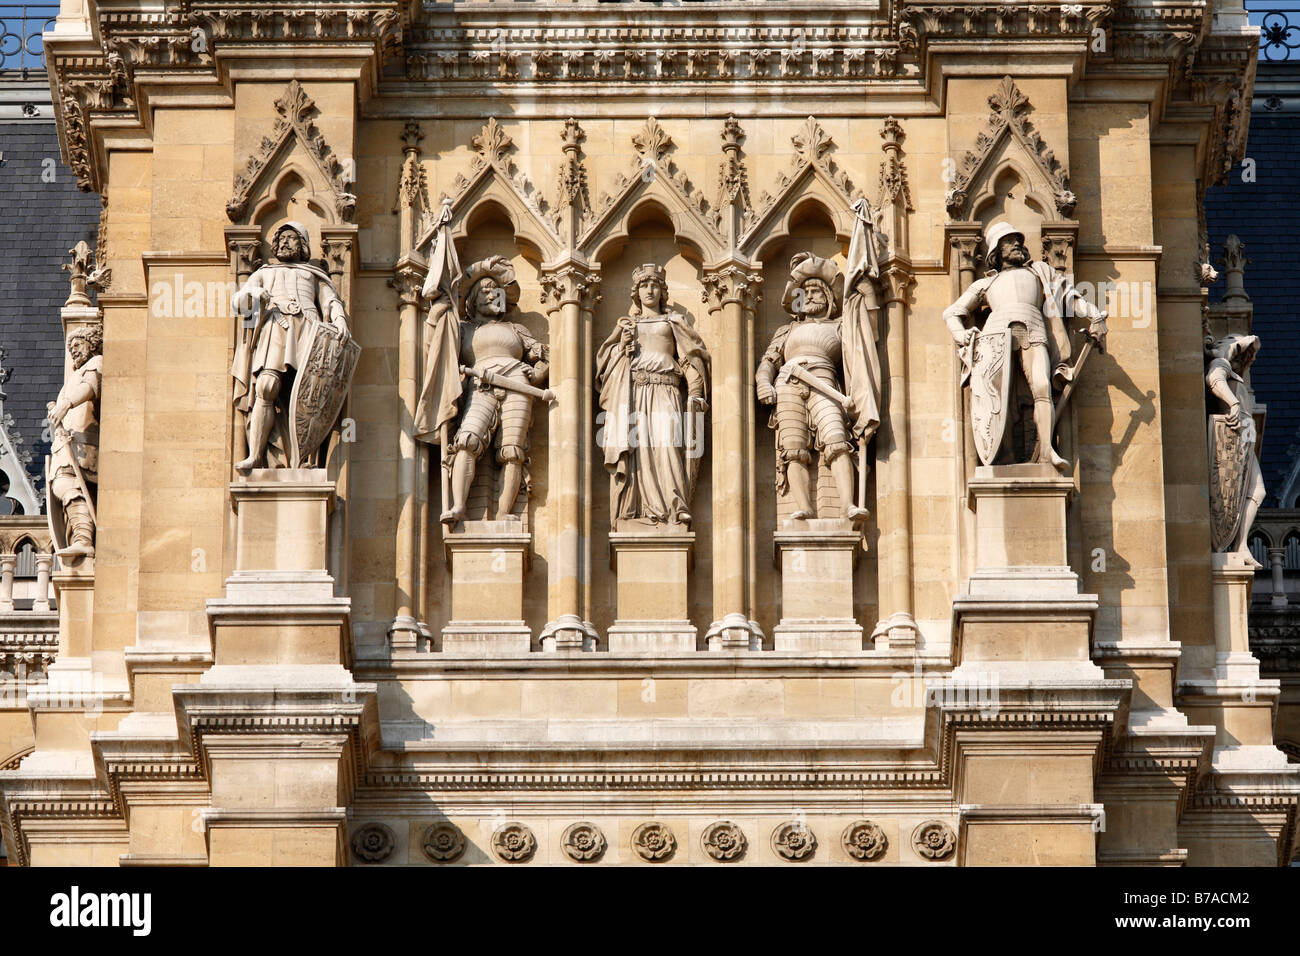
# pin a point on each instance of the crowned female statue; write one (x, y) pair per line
(653, 377)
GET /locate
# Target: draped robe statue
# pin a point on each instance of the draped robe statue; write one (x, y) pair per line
(1236, 482)
(653, 377)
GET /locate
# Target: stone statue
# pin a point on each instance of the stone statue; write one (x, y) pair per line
(653, 377)
(1025, 301)
(72, 470)
(822, 372)
(482, 377)
(1236, 482)
(298, 330)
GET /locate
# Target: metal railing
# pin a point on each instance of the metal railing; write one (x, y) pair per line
(1279, 35)
(21, 26)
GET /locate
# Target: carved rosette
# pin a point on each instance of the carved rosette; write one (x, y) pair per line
(864, 841)
(583, 842)
(724, 841)
(654, 842)
(514, 843)
(794, 841)
(443, 842)
(934, 840)
(373, 843)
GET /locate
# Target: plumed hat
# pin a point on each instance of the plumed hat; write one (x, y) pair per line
(301, 230)
(805, 266)
(496, 268)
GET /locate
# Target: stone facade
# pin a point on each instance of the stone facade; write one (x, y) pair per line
(968, 657)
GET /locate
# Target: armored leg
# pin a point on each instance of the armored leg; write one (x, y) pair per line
(1037, 367)
(794, 440)
(76, 512)
(261, 418)
(516, 417)
(836, 449)
(471, 439)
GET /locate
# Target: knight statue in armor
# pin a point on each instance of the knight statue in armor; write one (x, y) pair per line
(483, 373)
(1025, 303)
(299, 335)
(653, 377)
(72, 469)
(822, 374)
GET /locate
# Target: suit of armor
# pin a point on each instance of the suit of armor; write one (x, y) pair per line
(74, 451)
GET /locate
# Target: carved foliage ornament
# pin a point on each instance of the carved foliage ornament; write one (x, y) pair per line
(583, 842)
(653, 842)
(1008, 105)
(794, 841)
(811, 144)
(492, 147)
(373, 843)
(864, 841)
(724, 841)
(514, 843)
(296, 111)
(934, 840)
(443, 842)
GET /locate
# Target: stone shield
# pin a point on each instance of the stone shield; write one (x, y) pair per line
(319, 390)
(1229, 450)
(990, 392)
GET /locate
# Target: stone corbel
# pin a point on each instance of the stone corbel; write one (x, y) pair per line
(1059, 242)
(339, 253)
(963, 260)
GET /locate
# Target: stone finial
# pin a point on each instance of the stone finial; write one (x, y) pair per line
(1234, 264)
(83, 275)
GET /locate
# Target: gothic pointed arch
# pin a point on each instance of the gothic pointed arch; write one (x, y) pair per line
(494, 180)
(652, 177)
(294, 143)
(813, 176)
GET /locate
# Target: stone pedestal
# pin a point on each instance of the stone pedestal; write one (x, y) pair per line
(487, 560)
(1023, 603)
(816, 559)
(653, 601)
(1240, 704)
(278, 719)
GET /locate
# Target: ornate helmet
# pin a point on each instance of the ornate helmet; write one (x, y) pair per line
(1232, 345)
(643, 272)
(93, 336)
(496, 268)
(993, 235)
(301, 230)
(806, 266)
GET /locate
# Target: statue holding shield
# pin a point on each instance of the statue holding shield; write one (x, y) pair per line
(1021, 305)
(653, 377)
(72, 469)
(297, 334)
(1236, 482)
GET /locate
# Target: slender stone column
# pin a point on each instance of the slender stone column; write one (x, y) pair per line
(897, 627)
(731, 293)
(7, 564)
(570, 289)
(1276, 560)
(405, 629)
(44, 563)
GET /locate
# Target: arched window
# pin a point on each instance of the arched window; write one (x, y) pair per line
(26, 551)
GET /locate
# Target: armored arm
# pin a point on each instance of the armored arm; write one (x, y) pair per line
(331, 306)
(1216, 379)
(536, 354)
(768, 366)
(959, 313)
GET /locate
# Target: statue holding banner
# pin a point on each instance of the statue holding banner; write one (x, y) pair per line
(298, 332)
(482, 374)
(1022, 305)
(653, 377)
(822, 373)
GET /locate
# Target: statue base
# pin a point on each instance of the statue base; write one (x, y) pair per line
(816, 558)
(487, 561)
(1023, 605)
(652, 569)
(734, 632)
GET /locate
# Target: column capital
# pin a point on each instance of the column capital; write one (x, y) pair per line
(733, 281)
(570, 282)
(408, 278)
(896, 279)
